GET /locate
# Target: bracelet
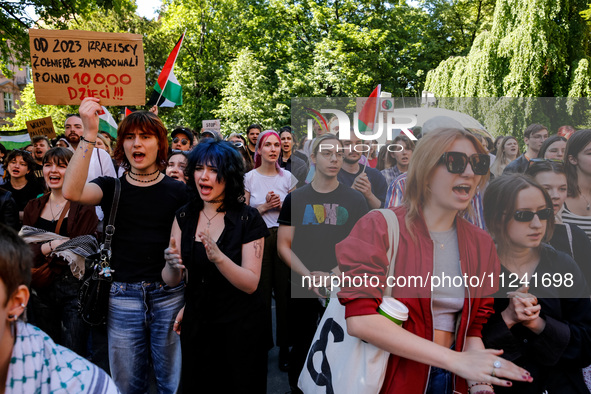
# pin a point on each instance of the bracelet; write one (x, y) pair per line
(481, 384)
(87, 141)
(50, 247)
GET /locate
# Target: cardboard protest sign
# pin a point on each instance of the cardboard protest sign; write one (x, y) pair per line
(213, 124)
(69, 65)
(43, 126)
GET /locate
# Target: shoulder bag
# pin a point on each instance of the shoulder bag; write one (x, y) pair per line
(340, 363)
(93, 296)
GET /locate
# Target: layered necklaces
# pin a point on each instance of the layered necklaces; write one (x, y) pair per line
(157, 173)
(54, 216)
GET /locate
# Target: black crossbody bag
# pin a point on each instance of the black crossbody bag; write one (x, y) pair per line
(93, 296)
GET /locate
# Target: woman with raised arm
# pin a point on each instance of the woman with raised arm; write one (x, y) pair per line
(144, 218)
(217, 245)
(542, 317)
(439, 348)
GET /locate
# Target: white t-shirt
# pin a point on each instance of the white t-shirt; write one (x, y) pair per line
(259, 185)
(100, 167)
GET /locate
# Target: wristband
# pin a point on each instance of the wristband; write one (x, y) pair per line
(50, 247)
(87, 141)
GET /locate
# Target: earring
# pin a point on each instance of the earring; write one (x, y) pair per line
(24, 315)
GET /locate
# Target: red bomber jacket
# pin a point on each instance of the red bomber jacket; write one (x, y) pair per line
(364, 251)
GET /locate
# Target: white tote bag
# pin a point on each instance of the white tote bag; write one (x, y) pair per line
(338, 363)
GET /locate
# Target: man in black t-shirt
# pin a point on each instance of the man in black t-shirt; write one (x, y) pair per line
(252, 135)
(369, 181)
(313, 219)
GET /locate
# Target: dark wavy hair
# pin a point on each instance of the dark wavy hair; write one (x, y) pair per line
(27, 157)
(148, 123)
(545, 166)
(224, 156)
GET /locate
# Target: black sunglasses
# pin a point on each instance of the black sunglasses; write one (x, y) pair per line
(456, 162)
(238, 144)
(183, 141)
(528, 216)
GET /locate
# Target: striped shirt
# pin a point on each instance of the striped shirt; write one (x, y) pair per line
(584, 222)
(395, 194)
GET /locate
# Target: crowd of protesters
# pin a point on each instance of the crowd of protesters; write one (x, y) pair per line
(210, 231)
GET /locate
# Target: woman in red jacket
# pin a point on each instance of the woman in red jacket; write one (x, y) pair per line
(439, 348)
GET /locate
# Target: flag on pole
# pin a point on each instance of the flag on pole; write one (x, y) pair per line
(168, 91)
(128, 112)
(369, 113)
(107, 123)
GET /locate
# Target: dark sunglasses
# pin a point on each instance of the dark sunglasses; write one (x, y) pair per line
(238, 144)
(528, 216)
(456, 162)
(183, 141)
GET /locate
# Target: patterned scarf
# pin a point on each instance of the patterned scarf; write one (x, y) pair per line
(38, 365)
(73, 251)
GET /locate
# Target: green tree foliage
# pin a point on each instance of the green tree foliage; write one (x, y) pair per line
(307, 48)
(15, 22)
(535, 48)
(116, 17)
(244, 97)
(454, 24)
(244, 60)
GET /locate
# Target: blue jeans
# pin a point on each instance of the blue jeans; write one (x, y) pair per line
(439, 381)
(141, 316)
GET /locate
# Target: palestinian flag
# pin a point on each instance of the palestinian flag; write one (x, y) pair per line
(15, 139)
(128, 112)
(107, 123)
(167, 91)
(369, 113)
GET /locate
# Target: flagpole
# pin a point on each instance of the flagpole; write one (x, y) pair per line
(173, 63)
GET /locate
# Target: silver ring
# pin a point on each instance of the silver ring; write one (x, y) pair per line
(176, 322)
(497, 364)
(493, 373)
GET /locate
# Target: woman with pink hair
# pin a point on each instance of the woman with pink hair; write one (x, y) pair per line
(266, 187)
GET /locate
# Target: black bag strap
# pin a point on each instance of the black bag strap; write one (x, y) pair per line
(110, 228)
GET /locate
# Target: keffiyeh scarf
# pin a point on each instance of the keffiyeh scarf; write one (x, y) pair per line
(73, 251)
(38, 365)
